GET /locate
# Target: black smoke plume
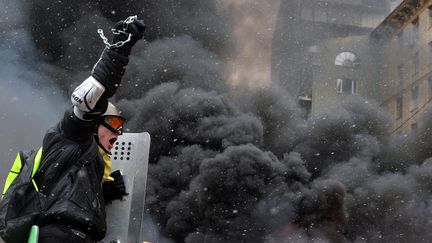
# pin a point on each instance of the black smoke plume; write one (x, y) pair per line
(240, 165)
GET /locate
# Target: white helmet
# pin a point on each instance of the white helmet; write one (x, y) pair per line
(112, 111)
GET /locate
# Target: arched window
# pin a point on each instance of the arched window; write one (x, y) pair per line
(347, 59)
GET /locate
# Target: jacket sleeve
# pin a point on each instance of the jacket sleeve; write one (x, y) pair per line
(75, 129)
(63, 145)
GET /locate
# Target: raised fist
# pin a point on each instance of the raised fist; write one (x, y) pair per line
(126, 33)
(109, 69)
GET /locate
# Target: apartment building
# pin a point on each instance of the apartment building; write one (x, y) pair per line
(406, 70)
(392, 66)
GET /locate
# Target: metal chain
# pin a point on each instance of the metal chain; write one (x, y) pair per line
(127, 21)
(130, 19)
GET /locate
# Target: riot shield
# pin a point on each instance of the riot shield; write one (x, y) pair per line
(125, 218)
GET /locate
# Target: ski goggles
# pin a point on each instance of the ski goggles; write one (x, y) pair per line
(114, 123)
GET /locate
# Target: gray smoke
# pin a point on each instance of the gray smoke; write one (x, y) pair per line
(282, 118)
(339, 133)
(30, 99)
(180, 59)
(227, 165)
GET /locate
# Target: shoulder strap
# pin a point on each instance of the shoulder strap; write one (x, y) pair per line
(35, 160)
(14, 171)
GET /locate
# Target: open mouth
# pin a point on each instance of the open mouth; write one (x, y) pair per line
(112, 141)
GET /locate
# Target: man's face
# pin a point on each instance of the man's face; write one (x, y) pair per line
(108, 131)
(107, 138)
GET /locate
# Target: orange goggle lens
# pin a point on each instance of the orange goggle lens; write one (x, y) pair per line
(115, 123)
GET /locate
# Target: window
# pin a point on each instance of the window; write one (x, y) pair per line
(415, 63)
(399, 107)
(412, 34)
(400, 71)
(347, 59)
(430, 17)
(414, 127)
(415, 25)
(414, 97)
(346, 86)
(430, 87)
(430, 52)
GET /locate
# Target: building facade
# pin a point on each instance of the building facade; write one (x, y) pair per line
(392, 66)
(302, 24)
(406, 36)
(345, 66)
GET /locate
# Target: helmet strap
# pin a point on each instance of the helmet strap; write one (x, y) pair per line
(100, 145)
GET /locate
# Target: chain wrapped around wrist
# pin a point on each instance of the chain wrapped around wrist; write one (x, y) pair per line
(119, 44)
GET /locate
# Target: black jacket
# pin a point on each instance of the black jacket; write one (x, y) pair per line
(74, 196)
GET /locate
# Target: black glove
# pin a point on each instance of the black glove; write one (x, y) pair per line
(121, 32)
(116, 189)
(109, 69)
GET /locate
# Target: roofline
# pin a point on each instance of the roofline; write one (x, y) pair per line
(401, 16)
